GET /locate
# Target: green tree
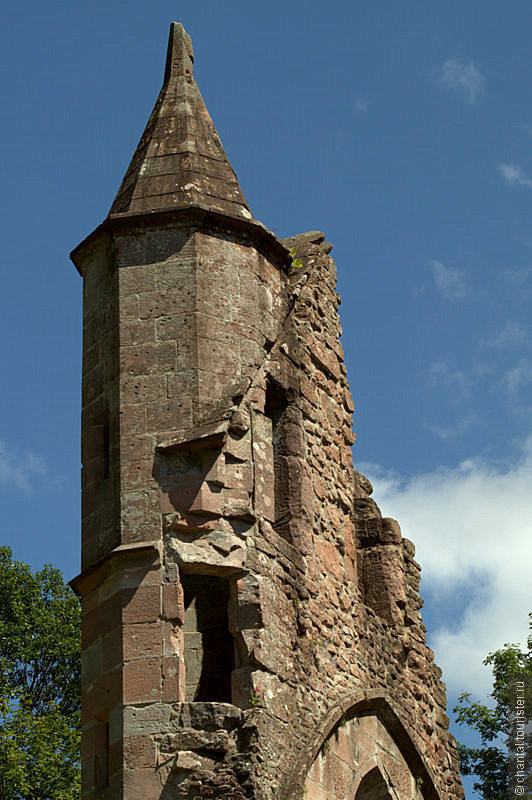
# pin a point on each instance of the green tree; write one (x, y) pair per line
(39, 684)
(489, 762)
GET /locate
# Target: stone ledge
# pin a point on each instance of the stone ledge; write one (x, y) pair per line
(86, 581)
(212, 433)
(251, 229)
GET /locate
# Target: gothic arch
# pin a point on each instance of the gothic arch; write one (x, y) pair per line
(363, 705)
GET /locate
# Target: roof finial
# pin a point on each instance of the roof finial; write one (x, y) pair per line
(180, 56)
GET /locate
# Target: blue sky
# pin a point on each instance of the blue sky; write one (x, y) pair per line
(404, 132)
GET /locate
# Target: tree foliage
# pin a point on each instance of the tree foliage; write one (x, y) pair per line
(39, 684)
(489, 762)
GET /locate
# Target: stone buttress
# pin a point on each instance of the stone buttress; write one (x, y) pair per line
(251, 623)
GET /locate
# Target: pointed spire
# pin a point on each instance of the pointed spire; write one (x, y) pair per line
(180, 55)
(180, 162)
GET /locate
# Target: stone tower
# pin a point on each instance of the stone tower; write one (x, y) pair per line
(251, 623)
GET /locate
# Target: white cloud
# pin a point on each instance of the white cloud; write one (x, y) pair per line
(361, 105)
(517, 277)
(458, 385)
(512, 333)
(441, 374)
(449, 281)
(513, 175)
(472, 527)
(518, 376)
(19, 470)
(462, 77)
(446, 432)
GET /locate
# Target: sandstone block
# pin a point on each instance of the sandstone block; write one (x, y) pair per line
(143, 389)
(208, 499)
(215, 549)
(150, 719)
(174, 679)
(142, 640)
(139, 752)
(209, 716)
(133, 331)
(141, 681)
(141, 605)
(173, 602)
(168, 414)
(141, 783)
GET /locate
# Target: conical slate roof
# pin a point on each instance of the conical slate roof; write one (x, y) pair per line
(180, 162)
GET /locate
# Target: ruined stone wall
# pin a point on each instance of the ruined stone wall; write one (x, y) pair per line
(365, 633)
(251, 624)
(255, 630)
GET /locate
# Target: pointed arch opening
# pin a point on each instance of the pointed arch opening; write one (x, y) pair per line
(373, 787)
(363, 749)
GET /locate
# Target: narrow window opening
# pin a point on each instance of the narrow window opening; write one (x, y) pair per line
(100, 448)
(209, 647)
(275, 410)
(106, 446)
(101, 762)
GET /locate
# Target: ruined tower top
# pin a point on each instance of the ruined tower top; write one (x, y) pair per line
(180, 162)
(251, 622)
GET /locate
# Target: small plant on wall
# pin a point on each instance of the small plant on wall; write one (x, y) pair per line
(255, 698)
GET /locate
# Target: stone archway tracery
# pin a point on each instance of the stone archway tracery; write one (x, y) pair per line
(360, 761)
(362, 733)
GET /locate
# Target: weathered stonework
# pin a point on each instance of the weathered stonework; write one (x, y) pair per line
(251, 623)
